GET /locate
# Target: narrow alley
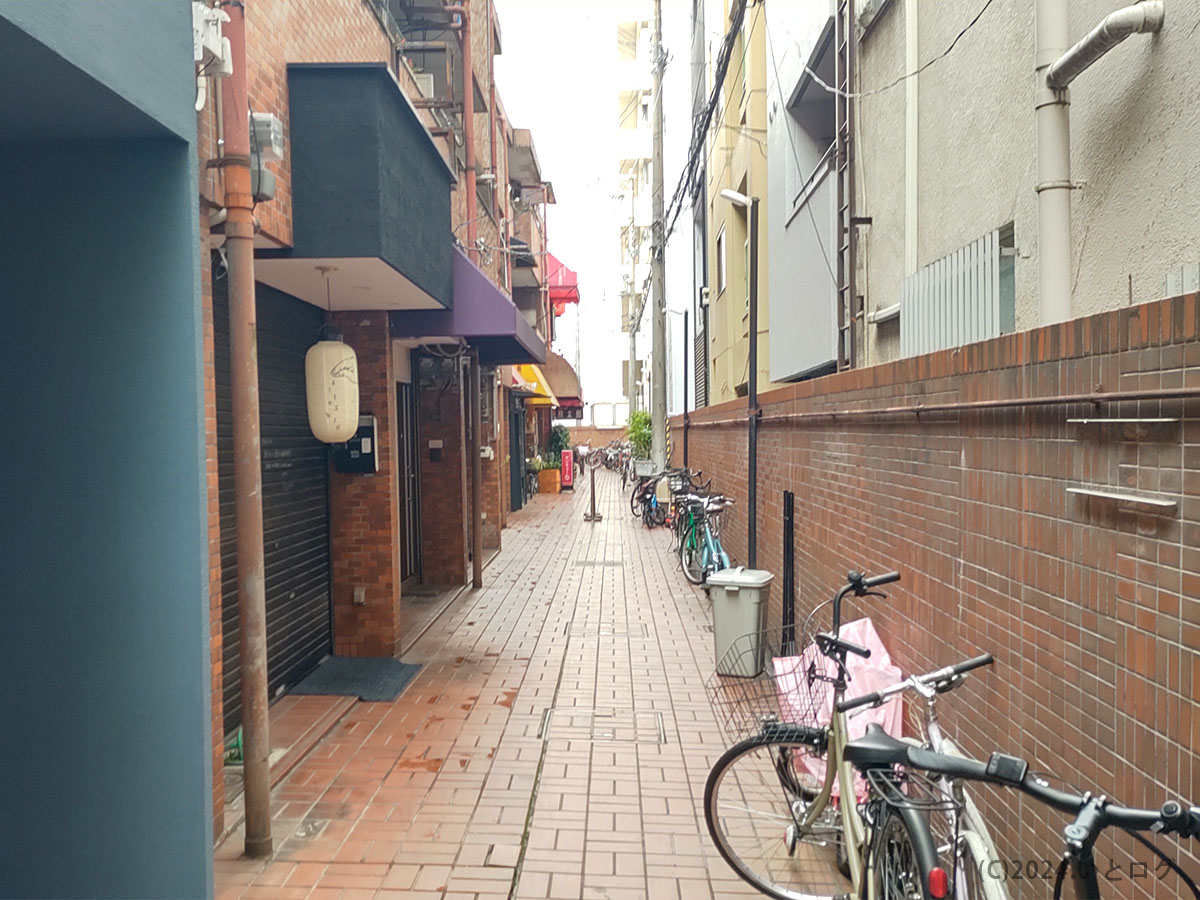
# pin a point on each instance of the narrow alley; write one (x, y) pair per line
(554, 744)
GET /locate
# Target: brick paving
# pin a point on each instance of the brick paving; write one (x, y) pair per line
(555, 744)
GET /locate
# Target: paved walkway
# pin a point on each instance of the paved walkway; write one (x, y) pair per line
(555, 744)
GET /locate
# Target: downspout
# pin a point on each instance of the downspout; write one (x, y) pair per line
(911, 99)
(464, 37)
(1056, 68)
(247, 458)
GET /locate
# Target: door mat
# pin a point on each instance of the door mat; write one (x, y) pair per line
(376, 679)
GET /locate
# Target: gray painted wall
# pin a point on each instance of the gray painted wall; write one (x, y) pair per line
(801, 237)
(1135, 124)
(126, 46)
(105, 750)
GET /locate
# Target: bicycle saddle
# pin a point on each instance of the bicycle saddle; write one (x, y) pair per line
(877, 750)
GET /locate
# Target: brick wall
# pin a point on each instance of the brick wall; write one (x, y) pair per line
(445, 495)
(1092, 609)
(364, 514)
(595, 437)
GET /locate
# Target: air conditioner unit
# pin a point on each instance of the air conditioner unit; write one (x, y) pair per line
(424, 82)
(210, 50)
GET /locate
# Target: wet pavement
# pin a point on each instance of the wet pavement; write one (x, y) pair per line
(554, 745)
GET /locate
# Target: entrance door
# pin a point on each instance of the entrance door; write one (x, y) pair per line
(410, 495)
(516, 446)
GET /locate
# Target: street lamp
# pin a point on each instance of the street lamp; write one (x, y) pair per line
(750, 204)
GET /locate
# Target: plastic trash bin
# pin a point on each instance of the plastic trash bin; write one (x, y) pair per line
(739, 604)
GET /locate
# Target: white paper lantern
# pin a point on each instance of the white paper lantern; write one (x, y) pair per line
(331, 377)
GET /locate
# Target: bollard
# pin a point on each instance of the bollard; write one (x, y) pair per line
(593, 516)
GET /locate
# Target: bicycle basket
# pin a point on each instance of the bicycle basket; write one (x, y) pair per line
(759, 681)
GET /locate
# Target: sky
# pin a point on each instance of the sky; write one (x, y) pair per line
(555, 75)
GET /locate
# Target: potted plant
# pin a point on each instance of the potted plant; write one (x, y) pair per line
(640, 438)
(548, 475)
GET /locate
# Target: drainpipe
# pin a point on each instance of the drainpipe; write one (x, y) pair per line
(1056, 68)
(464, 36)
(474, 447)
(247, 464)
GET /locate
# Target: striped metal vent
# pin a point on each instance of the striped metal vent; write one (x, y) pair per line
(959, 299)
(700, 360)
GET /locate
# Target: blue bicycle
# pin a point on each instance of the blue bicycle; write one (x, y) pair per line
(700, 550)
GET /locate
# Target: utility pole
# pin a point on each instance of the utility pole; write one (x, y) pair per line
(658, 312)
(247, 456)
(631, 375)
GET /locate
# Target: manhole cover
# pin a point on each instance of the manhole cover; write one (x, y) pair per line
(617, 725)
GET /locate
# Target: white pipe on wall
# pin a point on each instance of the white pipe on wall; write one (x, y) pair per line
(1056, 68)
(910, 139)
(1054, 167)
(1141, 18)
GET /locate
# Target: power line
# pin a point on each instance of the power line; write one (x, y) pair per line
(887, 87)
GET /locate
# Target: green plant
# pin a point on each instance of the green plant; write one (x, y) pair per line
(560, 439)
(551, 460)
(640, 434)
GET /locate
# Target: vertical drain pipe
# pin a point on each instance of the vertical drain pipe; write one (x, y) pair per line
(475, 445)
(1054, 167)
(247, 456)
(1056, 68)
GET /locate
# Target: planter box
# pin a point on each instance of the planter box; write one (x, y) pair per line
(548, 481)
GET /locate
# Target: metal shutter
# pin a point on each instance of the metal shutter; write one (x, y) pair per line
(295, 497)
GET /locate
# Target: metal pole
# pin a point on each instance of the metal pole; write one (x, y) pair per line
(593, 516)
(753, 411)
(247, 457)
(476, 475)
(685, 388)
(631, 387)
(658, 317)
(1053, 115)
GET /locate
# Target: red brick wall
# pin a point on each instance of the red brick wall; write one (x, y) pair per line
(364, 515)
(1092, 610)
(445, 496)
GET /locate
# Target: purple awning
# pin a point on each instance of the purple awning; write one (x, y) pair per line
(482, 314)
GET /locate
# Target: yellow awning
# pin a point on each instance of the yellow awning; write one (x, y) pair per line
(537, 384)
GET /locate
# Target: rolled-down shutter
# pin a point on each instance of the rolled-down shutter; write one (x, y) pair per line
(295, 497)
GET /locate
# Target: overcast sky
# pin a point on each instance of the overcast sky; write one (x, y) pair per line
(555, 76)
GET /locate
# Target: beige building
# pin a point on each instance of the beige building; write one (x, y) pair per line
(736, 159)
(947, 170)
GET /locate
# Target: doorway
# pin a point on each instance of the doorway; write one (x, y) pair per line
(410, 494)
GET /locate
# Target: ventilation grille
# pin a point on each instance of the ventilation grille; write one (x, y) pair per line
(959, 299)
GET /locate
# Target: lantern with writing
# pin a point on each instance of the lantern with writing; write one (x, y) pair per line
(331, 377)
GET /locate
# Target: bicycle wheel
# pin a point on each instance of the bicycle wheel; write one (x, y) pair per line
(902, 851)
(755, 799)
(689, 561)
(977, 870)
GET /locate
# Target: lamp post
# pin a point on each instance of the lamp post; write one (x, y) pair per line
(750, 204)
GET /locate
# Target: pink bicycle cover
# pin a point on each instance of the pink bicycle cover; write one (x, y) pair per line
(797, 698)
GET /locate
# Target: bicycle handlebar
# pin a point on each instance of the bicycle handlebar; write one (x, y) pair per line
(876, 698)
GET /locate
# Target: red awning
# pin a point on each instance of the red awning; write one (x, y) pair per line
(564, 284)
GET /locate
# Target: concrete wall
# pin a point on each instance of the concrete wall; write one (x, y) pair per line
(1133, 127)
(1091, 608)
(106, 749)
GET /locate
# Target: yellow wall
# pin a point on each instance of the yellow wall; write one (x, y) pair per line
(737, 158)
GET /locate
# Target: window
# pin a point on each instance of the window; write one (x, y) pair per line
(627, 40)
(721, 261)
(629, 106)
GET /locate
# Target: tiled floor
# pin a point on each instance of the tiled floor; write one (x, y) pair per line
(554, 745)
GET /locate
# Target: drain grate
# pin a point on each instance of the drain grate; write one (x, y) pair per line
(617, 725)
(599, 562)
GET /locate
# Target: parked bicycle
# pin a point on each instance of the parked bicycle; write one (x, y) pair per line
(905, 853)
(783, 805)
(700, 550)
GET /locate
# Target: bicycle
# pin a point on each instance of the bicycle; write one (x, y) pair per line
(882, 757)
(769, 800)
(700, 550)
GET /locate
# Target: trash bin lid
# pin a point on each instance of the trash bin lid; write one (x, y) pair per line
(740, 577)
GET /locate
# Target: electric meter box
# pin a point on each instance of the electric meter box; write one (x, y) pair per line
(360, 453)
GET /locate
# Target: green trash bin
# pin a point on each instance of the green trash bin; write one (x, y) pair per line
(739, 606)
